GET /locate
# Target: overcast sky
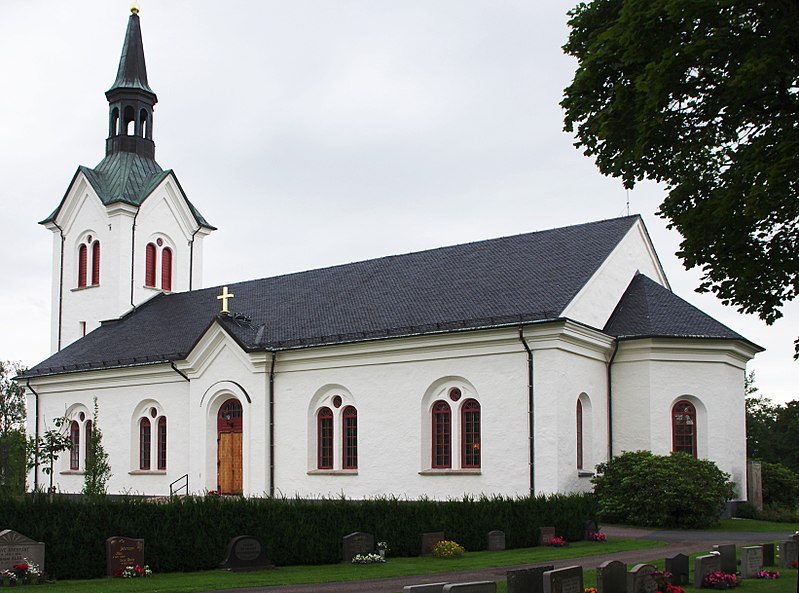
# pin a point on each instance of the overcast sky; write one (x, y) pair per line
(315, 133)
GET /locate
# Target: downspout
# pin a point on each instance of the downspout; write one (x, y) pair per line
(133, 257)
(36, 433)
(530, 409)
(272, 427)
(610, 397)
(178, 371)
(191, 257)
(60, 287)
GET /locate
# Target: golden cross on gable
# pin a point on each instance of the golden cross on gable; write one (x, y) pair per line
(225, 297)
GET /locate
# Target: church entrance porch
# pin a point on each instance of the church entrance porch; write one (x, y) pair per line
(228, 442)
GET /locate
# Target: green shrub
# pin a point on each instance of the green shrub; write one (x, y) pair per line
(746, 510)
(675, 490)
(780, 485)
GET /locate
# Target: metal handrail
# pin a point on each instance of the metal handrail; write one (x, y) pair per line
(185, 486)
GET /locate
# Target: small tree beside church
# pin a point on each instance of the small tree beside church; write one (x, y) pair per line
(46, 449)
(98, 470)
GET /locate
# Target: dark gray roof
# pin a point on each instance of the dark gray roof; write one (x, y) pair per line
(649, 310)
(524, 278)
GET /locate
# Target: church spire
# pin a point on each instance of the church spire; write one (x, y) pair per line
(130, 99)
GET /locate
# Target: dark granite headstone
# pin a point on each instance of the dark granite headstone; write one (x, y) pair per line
(590, 529)
(356, 543)
(768, 554)
(564, 580)
(640, 579)
(546, 534)
(527, 580)
(121, 552)
(751, 561)
(678, 566)
(789, 553)
(704, 565)
(611, 577)
(729, 561)
(15, 548)
(496, 541)
(429, 540)
(245, 553)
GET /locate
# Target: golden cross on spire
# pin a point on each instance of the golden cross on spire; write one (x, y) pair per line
(224, 297)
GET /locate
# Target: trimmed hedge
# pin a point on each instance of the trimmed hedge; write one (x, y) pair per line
(192, 534)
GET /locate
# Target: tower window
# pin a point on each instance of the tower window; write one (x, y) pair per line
(149, 265)
(96, 263)
(158, 254)
(83, 261)
(166, 269)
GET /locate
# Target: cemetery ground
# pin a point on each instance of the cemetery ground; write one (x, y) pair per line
(347, 578)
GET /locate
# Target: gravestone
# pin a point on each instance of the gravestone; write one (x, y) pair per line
(564, 580)
(768, 554)
(429, 540)
(15, 548)
(474, 587)
(424, 588)
(751, 561)
(121, 552)
(678, 566)
(496, 541)
(527, 580)
(640, 579)
(590, 529)
(611, 577)
(788, 553)
(729, 561)
(546, 534)
(356, 543)
(245, 553)
(704, 565)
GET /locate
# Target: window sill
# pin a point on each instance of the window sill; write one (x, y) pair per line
(451, 472)
(156, 289)
(87, 287)
(147, 472)
(333, 472)
(584, 474)
(72, 472)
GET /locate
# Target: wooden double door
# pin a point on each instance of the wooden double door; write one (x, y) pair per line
(229, 437)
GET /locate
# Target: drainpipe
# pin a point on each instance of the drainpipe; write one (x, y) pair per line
(191, 257)
(133, 258)
(272, 427)
(530, 409)
(610, 397)
(36, 433)
(178, 371)
(60, 287)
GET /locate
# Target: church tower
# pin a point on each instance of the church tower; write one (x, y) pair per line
(124, 231)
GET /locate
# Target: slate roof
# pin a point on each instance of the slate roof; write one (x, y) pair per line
(648, 309)
(511, 280)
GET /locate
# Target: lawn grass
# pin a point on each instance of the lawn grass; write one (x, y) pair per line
(754, 525)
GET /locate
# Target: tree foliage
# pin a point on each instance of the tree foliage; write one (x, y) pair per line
(12, 428)
(675, 490)
(703, 96)
(98, 470)
(780, 485)
(45, 450)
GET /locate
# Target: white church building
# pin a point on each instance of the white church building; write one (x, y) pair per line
(508, 366)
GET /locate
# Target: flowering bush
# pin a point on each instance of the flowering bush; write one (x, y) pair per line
(448, 549)
(662, 579)
(367, 559)
(719, 580)
(767, 574)
(132, 572)
(598, 536)
(590, 590)
(557, 542)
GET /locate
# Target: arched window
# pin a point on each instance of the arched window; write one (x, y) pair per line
(579, 415)
(442, 435)
(349, 433)
(74, 445)
(130, 121)
(145, 433)
(324, 439)
(83, 262)
(96, 263)
(149, 265)
(88, 432)
(166, 269)
(470, 434)
(162, 443)
(683, 427)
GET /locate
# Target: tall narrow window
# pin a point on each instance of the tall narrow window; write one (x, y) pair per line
(83, 261)
(579, 434)
(166, 269)
(88, 432)
(324, 439)
(162, 443)
(470, 434)
(442, 435)
(74, 445)
(683, 418)
(350, 435)
(144, 443)
(149, 265)
(96, 263)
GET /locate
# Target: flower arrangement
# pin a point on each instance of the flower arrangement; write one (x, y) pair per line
(598, 536)
(795, 564)
(383, 546)
(132, 572)
(448, 549)
(719, 580)
(768, 574)
(557, 542)
(590, 590)
(8, 575)
(367, 559)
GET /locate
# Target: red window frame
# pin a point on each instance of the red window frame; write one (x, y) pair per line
(579, 418)
(87, 429)
(470, 434)
(166, 269)
(83, 257)
(96, 263)
(145, 434)
(161, 452)
(74, 445)
(683, 427)
(441, 435)
(349, 433)
(230, 417)
(324, 438)
(149, 265)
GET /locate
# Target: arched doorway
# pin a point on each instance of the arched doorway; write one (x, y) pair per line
(228, 447)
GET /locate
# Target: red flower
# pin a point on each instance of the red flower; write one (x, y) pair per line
(20, 567)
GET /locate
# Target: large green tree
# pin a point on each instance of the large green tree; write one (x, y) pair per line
(12, 428)
(702, 96)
